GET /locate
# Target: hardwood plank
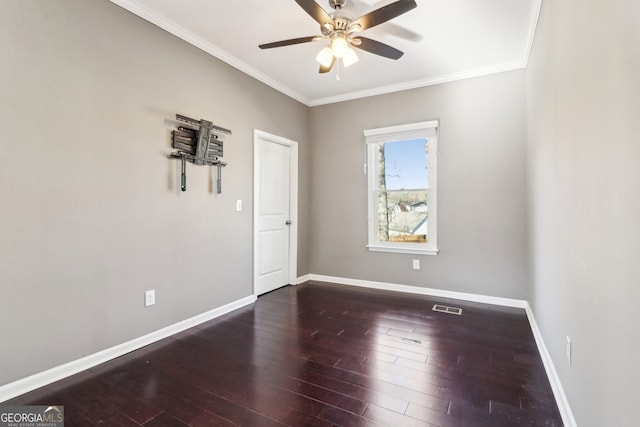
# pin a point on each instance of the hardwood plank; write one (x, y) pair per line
(392, 418)
(324, 355)
(381, 399)
(165, 420)
(297, 418)
(346, 419)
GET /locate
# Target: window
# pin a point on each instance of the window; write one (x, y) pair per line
(402, 164)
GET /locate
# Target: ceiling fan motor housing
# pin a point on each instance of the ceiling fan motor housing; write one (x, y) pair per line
(337, 4)
(340, 25)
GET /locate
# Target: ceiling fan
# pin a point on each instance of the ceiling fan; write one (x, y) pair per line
(341, 31)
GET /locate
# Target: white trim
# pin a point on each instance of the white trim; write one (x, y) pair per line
(41, 379)
(303, 279)
(293, 213)
(402, 250)
(428, 130)
(506, 302)
(556, 385)
(533, 25)
(197, 41)
(447, 78)
(401, 128)
(292, 275)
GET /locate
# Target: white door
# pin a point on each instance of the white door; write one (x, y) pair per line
(274, 212)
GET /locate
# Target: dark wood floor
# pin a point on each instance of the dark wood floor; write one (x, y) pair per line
(323, 355)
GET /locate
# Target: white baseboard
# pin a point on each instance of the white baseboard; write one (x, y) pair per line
(508, 302)
(25, 385)
(303, 279)
(558, 391)
(41, 379)
(556, 386)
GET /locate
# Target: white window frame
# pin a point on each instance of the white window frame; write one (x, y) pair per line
(373, 137)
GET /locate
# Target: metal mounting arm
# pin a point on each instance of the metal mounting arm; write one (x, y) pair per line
(202, 146)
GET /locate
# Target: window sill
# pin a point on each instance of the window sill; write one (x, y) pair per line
(403, 250)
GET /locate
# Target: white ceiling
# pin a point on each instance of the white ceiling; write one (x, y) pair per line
(443, 40)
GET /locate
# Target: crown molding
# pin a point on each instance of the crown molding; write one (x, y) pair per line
(478, 72)
(533, 25)
(197, 41)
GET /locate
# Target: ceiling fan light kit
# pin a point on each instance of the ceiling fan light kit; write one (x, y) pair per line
(340, 31)
(339, 45)
(350, 58)
(325, 56)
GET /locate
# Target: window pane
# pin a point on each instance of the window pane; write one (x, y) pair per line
(402, 216)
(402, 185)
(404, 164)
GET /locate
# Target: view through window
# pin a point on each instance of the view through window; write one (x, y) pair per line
(402, 196)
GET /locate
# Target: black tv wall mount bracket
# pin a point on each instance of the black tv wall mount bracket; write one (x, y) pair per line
(201, 143)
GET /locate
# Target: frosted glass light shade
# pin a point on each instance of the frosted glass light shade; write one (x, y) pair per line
(350, 58)
(325, 56)
(339, 46)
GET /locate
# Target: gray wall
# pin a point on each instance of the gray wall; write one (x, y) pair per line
(481, 187)
(91, 212)
(584, 201)
(92, 216)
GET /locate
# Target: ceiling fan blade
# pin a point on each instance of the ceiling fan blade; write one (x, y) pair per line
(390, 28)
(384, 14)
(401, 32)
(289, 42)
(324, 69)
(316, 12)
(377, 48)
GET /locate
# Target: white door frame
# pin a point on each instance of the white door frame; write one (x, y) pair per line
(293, 203)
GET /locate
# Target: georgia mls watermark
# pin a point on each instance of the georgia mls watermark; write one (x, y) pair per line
(31, 416)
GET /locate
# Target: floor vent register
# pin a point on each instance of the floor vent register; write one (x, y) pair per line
(446, 309)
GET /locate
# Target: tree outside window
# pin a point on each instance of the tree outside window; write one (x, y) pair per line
(402, 193)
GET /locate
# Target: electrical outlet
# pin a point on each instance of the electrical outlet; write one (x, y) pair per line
(150, 297)
(238, 205)
(416, 264)
(568, 350)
